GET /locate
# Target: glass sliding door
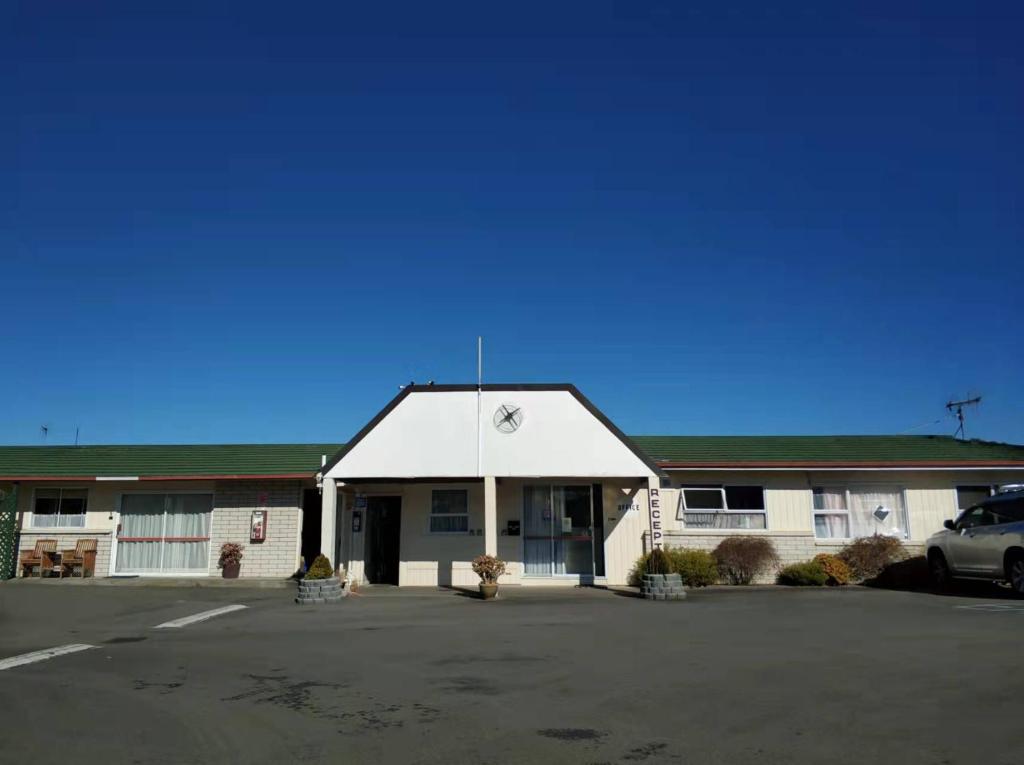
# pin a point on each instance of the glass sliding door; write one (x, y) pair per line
(538, 549)
(558, 530)
(164, 534)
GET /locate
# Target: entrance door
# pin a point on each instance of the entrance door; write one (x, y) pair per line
(312, 511)
(558, 530)
(383, 537)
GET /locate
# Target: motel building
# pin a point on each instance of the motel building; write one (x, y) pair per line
(535, 474)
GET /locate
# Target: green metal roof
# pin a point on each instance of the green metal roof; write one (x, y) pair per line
(831, 450)
(173, 461)
(242, 460)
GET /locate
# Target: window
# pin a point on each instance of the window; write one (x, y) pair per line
(722, 507)
(449, 511)
(831, 516)
(55, 508)
(841, 513)
(969, 496)
(164, 533)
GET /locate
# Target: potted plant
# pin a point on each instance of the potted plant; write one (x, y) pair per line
(488, 568)
(230, 562)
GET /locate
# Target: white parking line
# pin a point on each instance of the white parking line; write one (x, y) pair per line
(49, 653)
(200, 617)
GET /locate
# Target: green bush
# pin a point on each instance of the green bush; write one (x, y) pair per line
(658, 562)
(696, 567)
(742, 559)
(321, 568)
(835, 569)
(868, 556)
(806, 574)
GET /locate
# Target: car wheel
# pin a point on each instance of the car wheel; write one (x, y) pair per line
(1015, 573)
(942, 577)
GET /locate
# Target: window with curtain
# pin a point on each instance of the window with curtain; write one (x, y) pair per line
(722, 507)
(831, 515)
(841, 513)
(164, 533)
(449, 511)
(59, 508)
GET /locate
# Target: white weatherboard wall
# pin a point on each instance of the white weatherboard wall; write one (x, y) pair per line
(434, 434)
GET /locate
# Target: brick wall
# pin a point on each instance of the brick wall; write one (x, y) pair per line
(66, 540)
(233, 505)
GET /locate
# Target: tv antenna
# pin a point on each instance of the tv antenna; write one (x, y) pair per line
(956, 408)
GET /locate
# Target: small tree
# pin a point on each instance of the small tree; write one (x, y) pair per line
(321, 568)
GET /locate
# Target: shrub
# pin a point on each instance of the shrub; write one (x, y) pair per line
(698, 568)
(230, 554)
(743, 559)
(321, 568)
(658, 562)
(807, 574)
(835, 569)
(488, 568)
(867, 556)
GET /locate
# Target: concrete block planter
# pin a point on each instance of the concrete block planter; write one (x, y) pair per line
(314, 591)
(662, 587)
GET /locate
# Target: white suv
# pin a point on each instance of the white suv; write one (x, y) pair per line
(985, 542)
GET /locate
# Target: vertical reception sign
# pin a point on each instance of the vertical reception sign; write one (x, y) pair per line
(654, 504)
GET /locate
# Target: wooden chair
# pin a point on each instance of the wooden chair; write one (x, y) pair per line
(40, 557)
(84, 555)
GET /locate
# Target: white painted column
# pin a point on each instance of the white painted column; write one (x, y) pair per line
(654, 511)
(328, 518)
(490, 515)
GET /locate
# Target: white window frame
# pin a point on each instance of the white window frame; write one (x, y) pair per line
(846, 490)
(431, 515)
(59, 526)
(815, 512)
(724, 509)
(211, 555)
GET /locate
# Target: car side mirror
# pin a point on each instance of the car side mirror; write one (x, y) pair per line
(949, 525)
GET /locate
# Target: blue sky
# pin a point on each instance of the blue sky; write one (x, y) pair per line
(253, 222)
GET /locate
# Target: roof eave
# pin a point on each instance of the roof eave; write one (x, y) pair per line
(850, 464)
(188, 477)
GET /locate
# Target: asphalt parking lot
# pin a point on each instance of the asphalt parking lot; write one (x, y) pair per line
(577, 676)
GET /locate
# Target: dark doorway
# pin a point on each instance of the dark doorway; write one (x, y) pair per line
(312, 511)
(383, 529)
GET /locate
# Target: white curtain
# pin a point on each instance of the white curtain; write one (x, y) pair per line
(868, 513)
(142, 517)
(830, 525)
(157, 522)
(188, 515)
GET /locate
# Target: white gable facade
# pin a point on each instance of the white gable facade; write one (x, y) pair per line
(452, 434)
(532, 473)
